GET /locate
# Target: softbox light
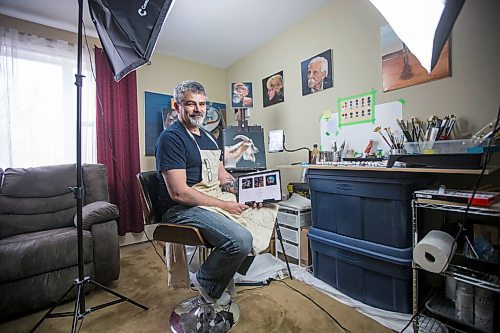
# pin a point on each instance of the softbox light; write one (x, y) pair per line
(423, 25)
(128, 30)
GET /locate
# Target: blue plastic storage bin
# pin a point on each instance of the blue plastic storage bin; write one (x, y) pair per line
(372, 206)
(374, 274)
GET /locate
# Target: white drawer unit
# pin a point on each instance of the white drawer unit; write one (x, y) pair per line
(291, 221)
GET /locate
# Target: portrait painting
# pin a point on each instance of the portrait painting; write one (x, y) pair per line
(244, 149)
(273, 89)
(401, 69)
(317, 73)
(242, 95)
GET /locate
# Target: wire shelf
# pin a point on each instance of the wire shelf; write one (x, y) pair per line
(444, 308)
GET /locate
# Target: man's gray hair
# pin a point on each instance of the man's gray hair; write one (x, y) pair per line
(324, 63)
(188, 86)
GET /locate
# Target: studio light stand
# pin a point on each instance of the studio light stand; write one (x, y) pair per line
(79, 309)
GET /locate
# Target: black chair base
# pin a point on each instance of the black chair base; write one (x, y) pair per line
(195, 315)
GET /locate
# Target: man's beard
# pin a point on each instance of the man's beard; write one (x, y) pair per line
(311, 83)
(196, 121)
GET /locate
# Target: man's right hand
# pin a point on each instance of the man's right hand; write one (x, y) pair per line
(234, 207)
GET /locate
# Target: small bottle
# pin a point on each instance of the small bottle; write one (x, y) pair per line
(314, 154)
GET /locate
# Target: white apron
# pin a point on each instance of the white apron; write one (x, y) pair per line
(259, 221)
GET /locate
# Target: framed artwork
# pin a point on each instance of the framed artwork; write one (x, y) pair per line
(160, 114)
(317, 73)
(244, 149)
(242, 95)
(273, 89)
(401, 69)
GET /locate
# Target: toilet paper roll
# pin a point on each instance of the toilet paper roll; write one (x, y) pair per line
(433, 251)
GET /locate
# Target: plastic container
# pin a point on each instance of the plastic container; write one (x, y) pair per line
(374, 274)
(438, 147)
(370, 206)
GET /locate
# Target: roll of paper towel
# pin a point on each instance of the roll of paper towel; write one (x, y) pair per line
(433, 251)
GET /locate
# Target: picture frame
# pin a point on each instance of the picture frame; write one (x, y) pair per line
(273, 89)
(317, 73)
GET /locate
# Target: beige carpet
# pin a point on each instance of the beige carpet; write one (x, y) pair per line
(274, 308)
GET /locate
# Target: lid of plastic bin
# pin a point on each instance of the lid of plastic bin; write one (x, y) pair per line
(388, 253)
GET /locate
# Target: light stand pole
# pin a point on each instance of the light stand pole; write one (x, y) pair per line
(79, 310)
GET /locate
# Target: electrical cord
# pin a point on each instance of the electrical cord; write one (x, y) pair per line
(496, 128)
(315, 303)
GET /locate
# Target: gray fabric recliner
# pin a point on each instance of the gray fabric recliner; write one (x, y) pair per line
(38, 237)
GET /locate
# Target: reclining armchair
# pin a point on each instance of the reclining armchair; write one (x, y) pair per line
(38, 236)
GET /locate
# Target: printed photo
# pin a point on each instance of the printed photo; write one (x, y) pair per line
(273, 89)
(270, 180)
(247, 183)
(317, 73)
(242, 95)
(259, 181)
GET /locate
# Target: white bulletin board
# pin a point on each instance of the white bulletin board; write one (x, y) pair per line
(357, 136)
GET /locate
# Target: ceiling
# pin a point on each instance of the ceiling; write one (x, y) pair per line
(212, 32)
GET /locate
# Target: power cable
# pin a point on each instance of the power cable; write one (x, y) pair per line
(314, 302)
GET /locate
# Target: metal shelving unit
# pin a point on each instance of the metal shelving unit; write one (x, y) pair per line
(438, 307)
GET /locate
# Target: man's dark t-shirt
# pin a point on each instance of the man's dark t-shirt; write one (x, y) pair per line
(175, 149)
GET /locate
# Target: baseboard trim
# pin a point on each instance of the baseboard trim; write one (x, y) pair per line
(137, 237)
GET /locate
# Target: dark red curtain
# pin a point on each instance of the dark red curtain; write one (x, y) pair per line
(118, 142)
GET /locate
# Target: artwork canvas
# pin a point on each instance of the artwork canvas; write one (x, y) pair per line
(273, 89)
(244, 149)
(157, 108)
(242, 95)
(317, 73)
(401, 69)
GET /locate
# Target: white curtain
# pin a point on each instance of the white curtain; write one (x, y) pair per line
(38, 101)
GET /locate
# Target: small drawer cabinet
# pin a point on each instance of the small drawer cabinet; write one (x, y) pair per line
(293, 224)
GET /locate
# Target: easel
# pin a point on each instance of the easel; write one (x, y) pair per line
(243, 127)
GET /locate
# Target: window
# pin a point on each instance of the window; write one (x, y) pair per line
(38, 102)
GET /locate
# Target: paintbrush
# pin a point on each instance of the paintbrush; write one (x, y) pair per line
(378, 130)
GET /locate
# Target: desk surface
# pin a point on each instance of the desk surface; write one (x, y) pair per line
(488, 171)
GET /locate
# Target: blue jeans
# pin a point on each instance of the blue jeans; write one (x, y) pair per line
(231, 241)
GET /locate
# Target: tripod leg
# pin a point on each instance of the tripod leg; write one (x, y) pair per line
(278, 232)
(76, 313)
(111, 291)
(51, 309)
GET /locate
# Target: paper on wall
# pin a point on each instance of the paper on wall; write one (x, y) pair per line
(357, 136)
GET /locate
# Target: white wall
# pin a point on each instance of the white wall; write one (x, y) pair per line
(352, 30)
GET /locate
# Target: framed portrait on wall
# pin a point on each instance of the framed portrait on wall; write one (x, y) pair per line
(273, 89)
(317, 73)
(401, 69)
(242, 95)
(158, 115)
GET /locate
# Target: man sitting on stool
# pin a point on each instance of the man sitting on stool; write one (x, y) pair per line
(188, 161)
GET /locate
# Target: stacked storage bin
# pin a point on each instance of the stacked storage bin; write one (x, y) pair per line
(361, 234)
